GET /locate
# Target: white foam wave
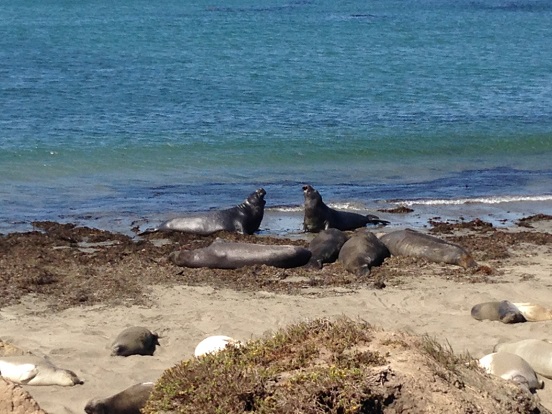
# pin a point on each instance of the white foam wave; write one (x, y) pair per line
(475, 200)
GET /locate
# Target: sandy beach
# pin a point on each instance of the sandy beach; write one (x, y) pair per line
(57, 302)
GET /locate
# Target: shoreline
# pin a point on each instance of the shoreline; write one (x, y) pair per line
(288, 221)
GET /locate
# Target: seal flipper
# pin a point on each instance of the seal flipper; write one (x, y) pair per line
(372, 219)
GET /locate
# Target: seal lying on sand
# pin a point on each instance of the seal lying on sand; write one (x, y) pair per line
(536, 352)
(33, 370)
(361, 252)
(135, 340)
(222, 254)
(413, 243)
(503, 311)
(244, 218)
(318, 216)
(508, 312)
(325, 247)
(129, 401)
(214, 344)
(511, 367)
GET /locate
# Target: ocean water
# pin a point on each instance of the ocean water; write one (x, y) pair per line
(113, 115)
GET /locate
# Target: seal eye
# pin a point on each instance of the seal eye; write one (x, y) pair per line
(305, 187)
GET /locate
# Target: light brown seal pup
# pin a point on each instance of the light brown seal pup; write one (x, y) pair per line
(244, 218)
(361, 252)
(222, 254)
(537, 353)
(128, 401)
(511, 367)
(135, 340)
(533, 312)
(503, 311)
(33, 370)
(214, 344)
(318, 216)
(325, 247)
(410, 242)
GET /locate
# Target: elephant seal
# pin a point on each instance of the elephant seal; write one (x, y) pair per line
(318, 216)
(361, 252)
(511, 367)
(503, 311)
(533, 312)
(135, 340)
(214, 344)
(128, 401)
(325, 247)
(537, 353)
(244, 218)
(222, 254)
(33, 370)
(410, 242)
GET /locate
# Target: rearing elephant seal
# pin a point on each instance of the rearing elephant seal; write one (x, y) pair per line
(318, 216)
(511, 367)
(244, 218)
(128, 401)
(361, 252)
(135, 340)
(536, 352)
(222, 254)
(325, 247)
(413, 243)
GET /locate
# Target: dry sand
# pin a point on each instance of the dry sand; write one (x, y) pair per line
(424, 300)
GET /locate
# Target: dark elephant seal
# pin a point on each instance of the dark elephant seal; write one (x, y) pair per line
(318, 216)
(128, 401)
(413, 243)
(222, 254)
(244, 218)
(325, 247)
(503, 311)
(135, 340)
(537, 353)
(361, 252)
(511, 367)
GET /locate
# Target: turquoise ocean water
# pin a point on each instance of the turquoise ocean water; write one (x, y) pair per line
(114, 113)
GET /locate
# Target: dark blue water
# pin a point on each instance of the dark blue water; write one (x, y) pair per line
(111, 113)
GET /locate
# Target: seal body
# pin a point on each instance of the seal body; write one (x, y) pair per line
(361, 252)
(135, 340)
(319, 216)
(413, 243)
(32, 370)
(244, 218)
(511, 367)
(325, 247)
(533, 312)
(214, 344)
(503, 311)
(128, 401)
(222, 254)
(536, 352)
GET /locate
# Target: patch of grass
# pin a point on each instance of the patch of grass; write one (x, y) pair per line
(444, 355)
(317, 366)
